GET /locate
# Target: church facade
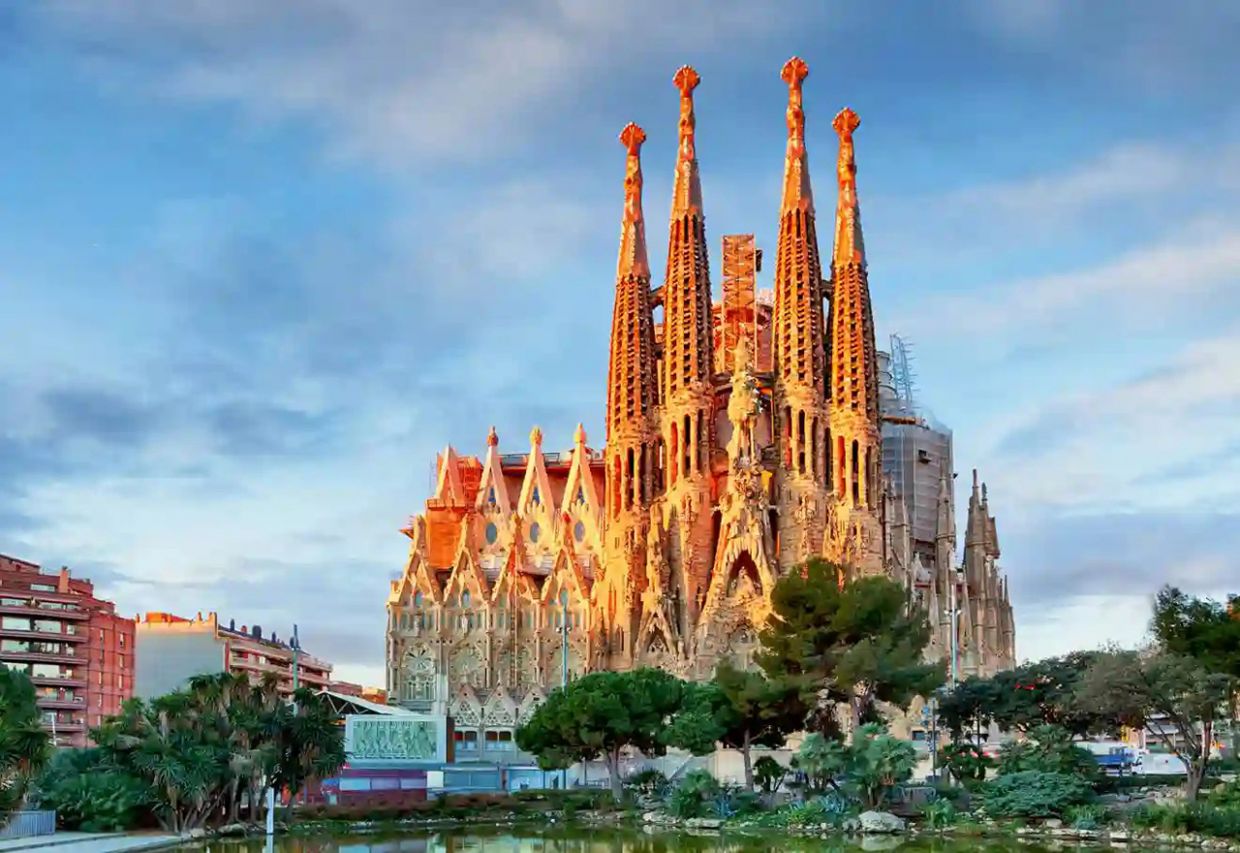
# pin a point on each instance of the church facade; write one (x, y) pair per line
(743, 436)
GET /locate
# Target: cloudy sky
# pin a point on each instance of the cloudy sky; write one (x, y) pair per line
(258, 261)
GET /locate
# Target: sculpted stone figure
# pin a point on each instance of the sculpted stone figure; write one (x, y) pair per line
(742, 405)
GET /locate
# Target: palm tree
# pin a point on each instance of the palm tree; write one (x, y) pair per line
(24, 746)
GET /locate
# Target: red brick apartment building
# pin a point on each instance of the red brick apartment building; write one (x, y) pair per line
(76, 650)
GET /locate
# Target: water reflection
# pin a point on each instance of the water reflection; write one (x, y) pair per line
(603, 840)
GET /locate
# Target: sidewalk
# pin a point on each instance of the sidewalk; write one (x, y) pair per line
(88, 842)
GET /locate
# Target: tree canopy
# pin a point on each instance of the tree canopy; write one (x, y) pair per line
(1200, 628)
(1181, 696)
(739, 709)
(1038, 693)
(602, 713)
(855, 645)
(202, 750)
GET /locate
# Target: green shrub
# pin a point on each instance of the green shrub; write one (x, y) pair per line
(768, 774)
(1226, 795)
(90, 797)
(939, 814)
(1089, 816)
(1034, 793)
(1048, 749)
(689, 798)
(966, 762)
(830, 808)
(648, 782)
(1205, 818)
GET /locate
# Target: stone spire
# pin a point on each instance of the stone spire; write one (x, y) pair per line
(799, 359)
(797, 192)
(631, 428)
(687, 187)
(849, 247)
(853, 356)
(854, 362)
(632, 261)
(688, 362)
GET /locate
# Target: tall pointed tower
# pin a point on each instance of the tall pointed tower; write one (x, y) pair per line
(855, 431)
(632, 434)
(799, 393)
(688, 367)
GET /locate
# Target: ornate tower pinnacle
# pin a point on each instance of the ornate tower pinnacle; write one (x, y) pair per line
(797, 192)
(687, 394)
(687, 188)
(632, 259)
(797, 331)
(632, 437)
(853, 356)
(630, 391)
(849, 247)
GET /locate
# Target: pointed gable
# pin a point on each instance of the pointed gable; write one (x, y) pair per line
(492, 490)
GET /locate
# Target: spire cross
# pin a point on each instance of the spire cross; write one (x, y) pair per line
(794, 73)
(845, 123)
(686, 80)
(632, 138)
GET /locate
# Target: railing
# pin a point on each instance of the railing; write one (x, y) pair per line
(26, 824)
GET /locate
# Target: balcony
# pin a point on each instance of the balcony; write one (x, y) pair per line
(44, 634)
(44, 609)
(58, 681)
(43, 657)
(69, 702)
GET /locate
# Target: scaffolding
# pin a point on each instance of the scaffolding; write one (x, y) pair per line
(741, 262)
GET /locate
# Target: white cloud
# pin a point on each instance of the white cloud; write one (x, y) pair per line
(390, 81)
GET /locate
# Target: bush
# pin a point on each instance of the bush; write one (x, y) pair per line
(1090, 816)
(939, 814)
(966, 762)
(1048, 749)
(768, 774)
(1034, 793)
(1203, 818)
(93, 798)
(689, 798)
(1226, 795)
(649, 783)
(830, 808)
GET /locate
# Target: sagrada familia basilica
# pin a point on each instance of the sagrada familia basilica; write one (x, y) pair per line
(743, 437)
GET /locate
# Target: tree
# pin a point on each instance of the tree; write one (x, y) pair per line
(969, 705)
(740, 709)
(1048, 749)
(869, 766)
(203, 751)
(1200, 628)
(1181, 696)
(603, 713)
(878, 762)
(24, 747)
(853, 645)
(1033, 694)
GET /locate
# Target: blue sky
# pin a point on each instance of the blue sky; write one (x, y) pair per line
(259, 261)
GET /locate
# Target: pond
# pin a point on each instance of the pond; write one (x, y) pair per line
(598, 840)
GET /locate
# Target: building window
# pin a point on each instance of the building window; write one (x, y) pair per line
(499, 739)
(579, 531)
(14, 623)
(492, 533)
(466, 740)
(535, 532)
